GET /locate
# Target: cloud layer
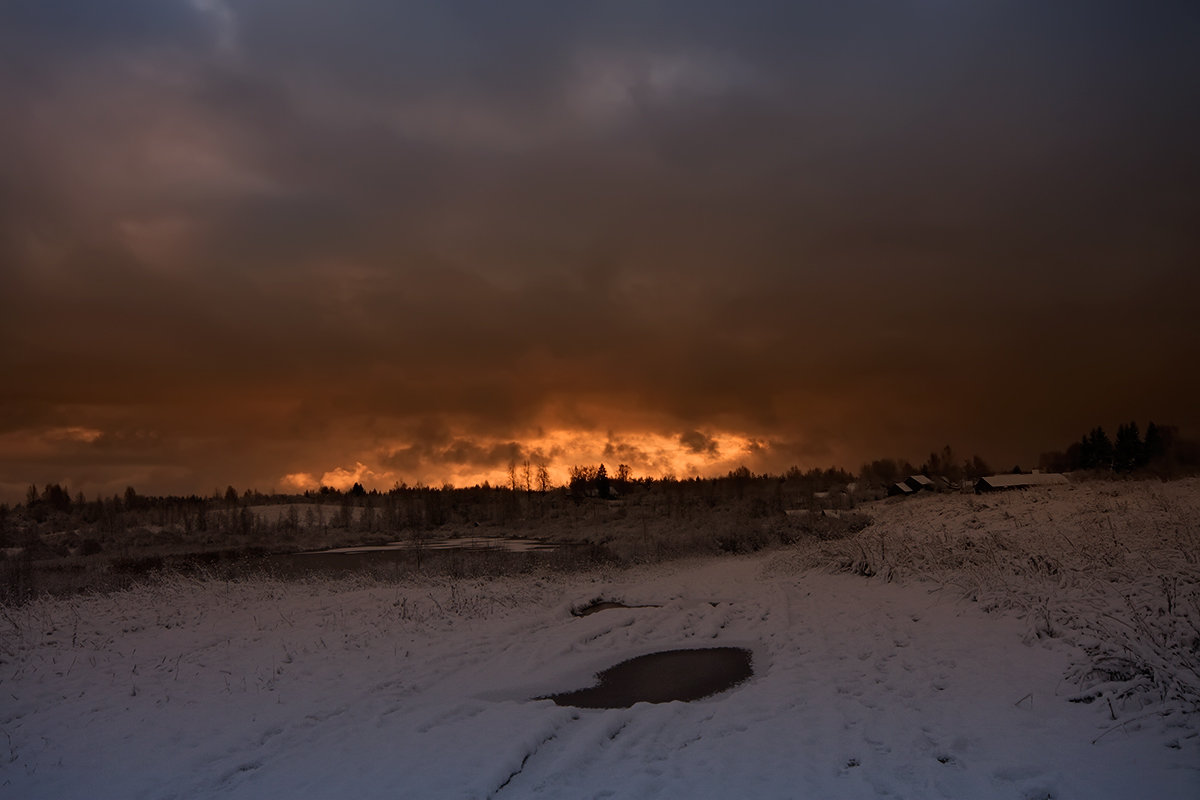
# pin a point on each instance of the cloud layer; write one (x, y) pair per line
(244, 242)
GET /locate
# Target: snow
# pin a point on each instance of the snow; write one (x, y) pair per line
(862, 687)
(1019, 480)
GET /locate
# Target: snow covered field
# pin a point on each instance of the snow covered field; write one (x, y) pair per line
(1028, 645)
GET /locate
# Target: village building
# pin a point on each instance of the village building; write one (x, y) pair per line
(919, 482)
(992, 483)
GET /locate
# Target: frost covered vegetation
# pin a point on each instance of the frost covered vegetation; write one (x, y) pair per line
(1037, 643)
(56, 545)
(1113, 568)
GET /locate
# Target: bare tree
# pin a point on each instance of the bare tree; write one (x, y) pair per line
(624, 474)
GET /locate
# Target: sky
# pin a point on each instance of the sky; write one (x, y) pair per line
(284, 244)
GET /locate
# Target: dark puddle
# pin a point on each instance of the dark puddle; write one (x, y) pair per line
(604, 605)
(662, 678)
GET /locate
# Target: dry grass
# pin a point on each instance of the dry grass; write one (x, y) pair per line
(1110, 567)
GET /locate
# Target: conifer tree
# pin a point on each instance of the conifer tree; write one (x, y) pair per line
(1155, 447)
(1127, 454)
(602, 484)
(1101, 449)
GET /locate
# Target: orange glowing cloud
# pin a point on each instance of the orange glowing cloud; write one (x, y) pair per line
(466, 460)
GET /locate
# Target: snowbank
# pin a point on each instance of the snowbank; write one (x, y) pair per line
(862, 686)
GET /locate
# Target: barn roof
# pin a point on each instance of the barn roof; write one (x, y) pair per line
(1017, 481)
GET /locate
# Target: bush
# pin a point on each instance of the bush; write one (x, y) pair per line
(823, 525)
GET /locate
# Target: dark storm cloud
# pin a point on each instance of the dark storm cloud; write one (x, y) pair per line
(698, 443)
(623, 452)
(306, 232)
(80, 29)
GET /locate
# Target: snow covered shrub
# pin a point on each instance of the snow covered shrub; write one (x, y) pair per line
(824, 525)
(742, 539)
(1110, 568)
(18, 577)
(1153, 648)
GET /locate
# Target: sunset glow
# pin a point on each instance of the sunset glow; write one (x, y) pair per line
(468, 462)
(279, 247)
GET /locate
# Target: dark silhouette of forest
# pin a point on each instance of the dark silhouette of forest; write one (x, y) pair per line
(1161, 452)
(615, 514)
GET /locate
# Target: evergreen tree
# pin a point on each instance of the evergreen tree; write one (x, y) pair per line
(1155, 446)
(56, 497)
(602, 485)
(977, 468)
(1127, 454)
(1087, 456)
(1101, 449)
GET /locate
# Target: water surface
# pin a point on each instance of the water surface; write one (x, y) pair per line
(662, 678)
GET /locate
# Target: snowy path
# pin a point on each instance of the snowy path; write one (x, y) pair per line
(862, 689)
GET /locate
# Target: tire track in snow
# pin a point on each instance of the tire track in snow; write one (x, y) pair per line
(537, 748)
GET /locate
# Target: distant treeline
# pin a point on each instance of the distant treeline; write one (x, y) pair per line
(527, 497)
(418, 505)
(1162, 451)
(944, 464)
(529, 493)
(586, 481)
(250, 516)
